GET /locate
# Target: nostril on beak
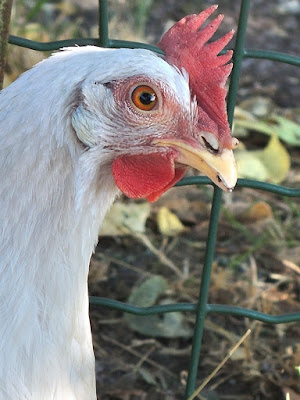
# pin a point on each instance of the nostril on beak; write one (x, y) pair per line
(209, 141)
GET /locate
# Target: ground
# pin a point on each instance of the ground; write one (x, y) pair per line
(252, 268)
(257, 260)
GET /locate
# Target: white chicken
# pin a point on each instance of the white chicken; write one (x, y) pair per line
(74, 131)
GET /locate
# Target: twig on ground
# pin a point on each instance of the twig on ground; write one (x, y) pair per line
(209, 378)
(139, 355)
(161, 256)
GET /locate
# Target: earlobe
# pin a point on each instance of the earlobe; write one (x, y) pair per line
(82, 122)
(147, 175)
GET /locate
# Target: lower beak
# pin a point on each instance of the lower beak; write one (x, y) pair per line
(220, 168)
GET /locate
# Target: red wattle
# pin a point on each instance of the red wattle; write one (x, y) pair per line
(147, 175)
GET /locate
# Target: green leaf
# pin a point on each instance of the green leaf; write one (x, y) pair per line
(147, 376)
(170, 325)
(287, 130)
(147, 293)
(255, 125)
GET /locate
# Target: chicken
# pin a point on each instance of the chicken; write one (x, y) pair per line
(76, 130)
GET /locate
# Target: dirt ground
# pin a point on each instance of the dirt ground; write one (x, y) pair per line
(256, 266)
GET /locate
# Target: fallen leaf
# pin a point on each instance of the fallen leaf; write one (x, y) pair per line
(254, 124)
(287, 130)
(274, 295)
(240, 354)
(168, 223)
(257, 212)
(124, 218)
(170, 325)
(147, 293)
(147, 376)
(270, 164)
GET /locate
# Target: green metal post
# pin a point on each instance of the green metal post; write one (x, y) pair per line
(215, 211)
(205, 280)
(103, 23)
(238, 55)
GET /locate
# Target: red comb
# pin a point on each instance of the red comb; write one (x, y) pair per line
(185, 45)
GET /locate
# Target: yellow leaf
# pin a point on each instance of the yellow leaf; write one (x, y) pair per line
(257, 212)
(125, 218)
(270, 164)
(276, 159)
(250, 166)
(168, 223)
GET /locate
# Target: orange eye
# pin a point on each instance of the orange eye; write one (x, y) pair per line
(144, 97)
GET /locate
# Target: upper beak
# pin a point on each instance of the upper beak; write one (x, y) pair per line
(220, 168)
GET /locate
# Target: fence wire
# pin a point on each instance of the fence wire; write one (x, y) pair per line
(202, 308)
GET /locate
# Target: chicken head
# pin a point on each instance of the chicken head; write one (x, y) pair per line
(168, 112)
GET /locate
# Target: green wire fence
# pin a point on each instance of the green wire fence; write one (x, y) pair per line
(202, 308)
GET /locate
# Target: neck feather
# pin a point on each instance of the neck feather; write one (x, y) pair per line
(52, 206)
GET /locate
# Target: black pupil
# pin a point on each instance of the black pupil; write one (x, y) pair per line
(147, 98)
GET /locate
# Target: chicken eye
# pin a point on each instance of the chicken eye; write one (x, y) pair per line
(144, 98)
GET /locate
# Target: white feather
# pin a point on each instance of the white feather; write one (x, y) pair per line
(54, 195)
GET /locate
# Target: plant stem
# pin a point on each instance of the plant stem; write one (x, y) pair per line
(5, 11)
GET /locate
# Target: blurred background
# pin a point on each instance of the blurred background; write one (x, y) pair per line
(153, 254)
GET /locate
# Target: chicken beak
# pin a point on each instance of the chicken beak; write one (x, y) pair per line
(220, 168)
